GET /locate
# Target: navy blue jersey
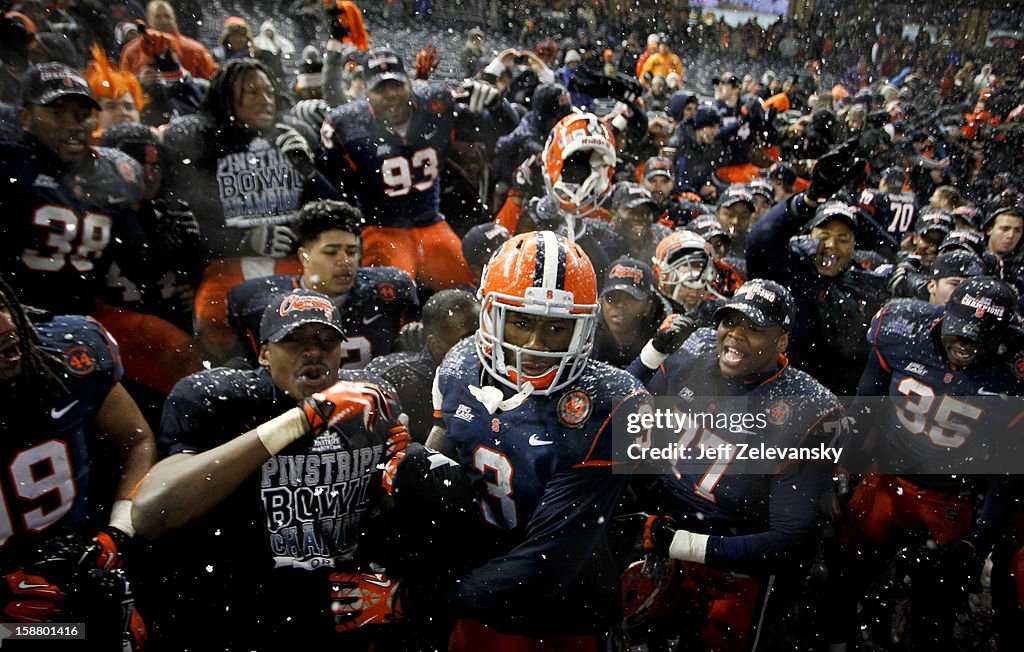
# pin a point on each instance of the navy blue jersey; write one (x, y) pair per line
(372, 312)
(256, 564)
(756, 521)
(542, 473)
(46, 455)
(932, 430)
(58, 222)
(893, 211)
(395, 180)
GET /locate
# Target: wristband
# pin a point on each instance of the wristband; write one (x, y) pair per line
(121, 517)
(688, 546)
(280, 431)
(652, 357)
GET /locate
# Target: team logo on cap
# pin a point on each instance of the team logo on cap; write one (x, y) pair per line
(631, 273)
(982, 305)
(756, 290)
(574, 408)
(387, 291)
(294, 302)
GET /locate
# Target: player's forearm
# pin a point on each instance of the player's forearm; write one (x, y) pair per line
(183, 487)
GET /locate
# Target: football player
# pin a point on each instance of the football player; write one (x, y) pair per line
(938, 358)
(267, 480)
(63, 417)
(889, 206)
(65, 201)
(372, 302)
(387, 153)
(575, 170)
(525, 411)
(692, 277)
(739, 535)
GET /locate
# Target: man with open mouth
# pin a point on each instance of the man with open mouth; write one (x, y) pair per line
(742, 531)
(267, 481)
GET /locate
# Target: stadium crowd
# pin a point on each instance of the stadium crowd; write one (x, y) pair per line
(317, 333)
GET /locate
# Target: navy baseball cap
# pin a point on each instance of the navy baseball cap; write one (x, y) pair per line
(630, 195)
(963, 240)
(765, 303)
(736, 194)
(894, 176)
(834, 210)
(49, 82)
(630, 276)
(382, 64)
(483, 240)
(958, 264)
(706, 116)
(295, 309)
(726, 78)
(762, 187)
(979, 308)
(657, 166)
(934, 221)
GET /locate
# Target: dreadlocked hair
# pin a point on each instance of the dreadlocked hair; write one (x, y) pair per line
(220, 95)
(40, 380)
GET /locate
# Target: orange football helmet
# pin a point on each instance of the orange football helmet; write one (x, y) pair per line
(579, 162)
(683, 258)
(538, 273)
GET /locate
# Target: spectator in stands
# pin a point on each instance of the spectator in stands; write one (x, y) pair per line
(148, 46)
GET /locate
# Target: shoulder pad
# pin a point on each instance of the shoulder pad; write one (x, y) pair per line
(81, 343)
(903, 320)
(389, 283)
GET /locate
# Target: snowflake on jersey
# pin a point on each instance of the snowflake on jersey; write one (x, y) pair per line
(940, 359)
(526, 413)
(371, 313)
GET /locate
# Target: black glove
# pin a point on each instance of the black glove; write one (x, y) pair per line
(176, 224)
(672, 333)
(906, 278)
(834, 171)
(293, 145)
(617, 86)
(658, 534)
(410, 337)
(805, 245)
(334, 17)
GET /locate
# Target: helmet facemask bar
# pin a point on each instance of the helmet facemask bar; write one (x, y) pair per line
(566, 365)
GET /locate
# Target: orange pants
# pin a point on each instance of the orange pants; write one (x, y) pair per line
(730, 604)
(431, 254)
(155, 353)
(472, 636)
(886, 504)
(219, 339)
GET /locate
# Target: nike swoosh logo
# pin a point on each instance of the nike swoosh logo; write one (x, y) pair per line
(25, 585)
(983, 392)
(370, 320)
(537, 441)
(56, 414)
(381, 583)
(116, 200)
(429, 134)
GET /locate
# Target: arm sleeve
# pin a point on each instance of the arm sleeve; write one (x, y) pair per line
(560, 540)
(768, 242)
(794, 508)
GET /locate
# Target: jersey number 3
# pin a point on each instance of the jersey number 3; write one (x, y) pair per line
(36, 472)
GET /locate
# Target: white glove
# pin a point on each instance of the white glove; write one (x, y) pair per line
(481, 95)
(273, 240)
(688, 546)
